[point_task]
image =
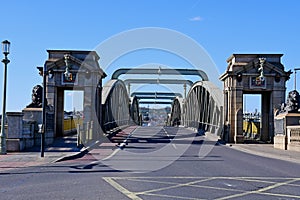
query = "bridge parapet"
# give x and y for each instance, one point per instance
(117, 108)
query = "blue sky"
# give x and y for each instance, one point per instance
(220, 27)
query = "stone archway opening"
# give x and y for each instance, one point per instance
(69, 110)
(73, 110)
(72, 70)
(73, 100)
(252, 113)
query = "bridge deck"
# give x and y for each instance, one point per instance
(151, 148)
(154, 135)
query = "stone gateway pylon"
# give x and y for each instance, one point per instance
(253, 74)
(72, 70)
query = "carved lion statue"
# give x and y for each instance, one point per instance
(293, 102)
(36, 97)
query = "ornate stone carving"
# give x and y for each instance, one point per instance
(261, 67)
(36, 97)
(293, 102)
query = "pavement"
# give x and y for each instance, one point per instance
(65, 148)
(61, 148)
(267, 150)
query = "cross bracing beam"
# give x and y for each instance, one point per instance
(158, 81)
(160, 71)
(155, 94)
(155, 102)
(155, 97)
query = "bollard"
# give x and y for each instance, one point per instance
(79, 143)
(91, 131)
(87, 130)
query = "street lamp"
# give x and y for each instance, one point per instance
(5, 49)
(295, 83)
(42, 127)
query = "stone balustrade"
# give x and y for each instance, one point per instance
(293, 138)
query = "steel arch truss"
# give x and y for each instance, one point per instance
(202, 109)
(115, 105)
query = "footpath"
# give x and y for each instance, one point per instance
(267, 150)
(62, 149)
(65, 148)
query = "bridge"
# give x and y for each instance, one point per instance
(178, 157)
(196, 104)
(199, 109)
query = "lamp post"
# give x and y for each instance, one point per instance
(42, 127)
(5, 49)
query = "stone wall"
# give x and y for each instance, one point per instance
(287, 131)
(21, 133)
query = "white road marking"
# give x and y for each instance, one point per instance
(169, 138)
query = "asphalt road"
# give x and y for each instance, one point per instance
(158, 163)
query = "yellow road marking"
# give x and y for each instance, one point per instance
(261, 191)
(172, 197)
(277, 185)
(197, 186)
(241, 193)
(203, 177)
(217, 188)
(120, 188)
(175, 186)
(252, 180)
(280, 195)
(150, 181)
